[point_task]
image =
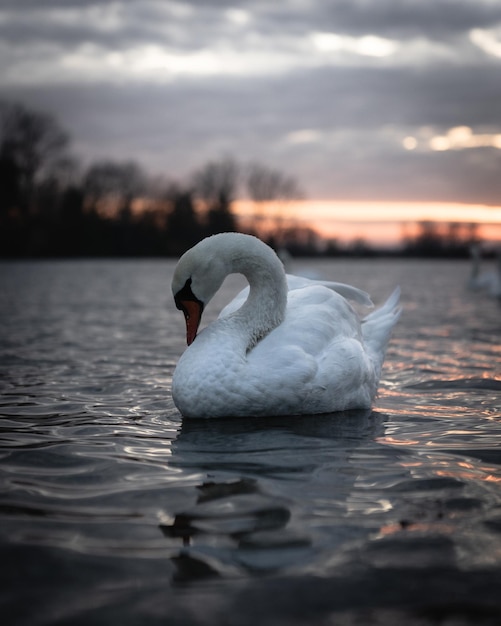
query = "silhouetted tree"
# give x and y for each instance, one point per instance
(441, 240)
(32, 147)
(111, 187)
(265, 184)
(183, 224)
(33, 155)
(72, 236)
(10, 183)
(270, 187)
(216, 186)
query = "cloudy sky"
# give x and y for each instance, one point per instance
(357, 99)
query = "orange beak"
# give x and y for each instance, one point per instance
(192, 308)
(192, 314)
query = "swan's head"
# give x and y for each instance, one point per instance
(198, 275)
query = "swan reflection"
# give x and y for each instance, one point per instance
(259, 482)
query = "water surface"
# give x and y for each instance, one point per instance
(115, 510)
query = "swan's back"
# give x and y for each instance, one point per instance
(300, 282)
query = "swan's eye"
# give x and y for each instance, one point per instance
(186, 295)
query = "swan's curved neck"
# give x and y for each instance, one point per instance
(265, 306)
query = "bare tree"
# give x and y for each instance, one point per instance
(32, 146)
(216, 185)
(270, 190)
(183, 224)
(111, 187)
(265, 185)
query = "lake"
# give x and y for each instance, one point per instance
(114, 510)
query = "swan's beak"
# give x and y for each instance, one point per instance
(192, 307)
(192, 314)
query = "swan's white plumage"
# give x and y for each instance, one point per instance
(299, 282)
(293, 346)
(488, 281)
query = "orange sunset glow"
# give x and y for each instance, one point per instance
(380, 223)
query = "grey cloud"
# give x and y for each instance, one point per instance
(176, 127)
(150, 22)
(451, 176)
(410, 17)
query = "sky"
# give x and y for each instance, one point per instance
(385, 102)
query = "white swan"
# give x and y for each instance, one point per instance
(285, 346)
(488, 281)
(495, 287)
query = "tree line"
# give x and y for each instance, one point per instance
(51, 206)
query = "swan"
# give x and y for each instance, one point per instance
(286, 345)
(488, 281)
(477, 280)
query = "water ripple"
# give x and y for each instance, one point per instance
(105, 487)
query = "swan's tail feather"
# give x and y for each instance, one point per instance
(350, 293)
(390, 307)
(378, 325)
(347, 291)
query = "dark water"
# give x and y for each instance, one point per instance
(115, 511)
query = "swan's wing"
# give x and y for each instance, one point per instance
(315, 317)
(347, 291)
(317, 351)
(299, 282)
